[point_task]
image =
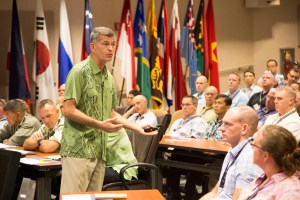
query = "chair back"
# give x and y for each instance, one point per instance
(176, 115)
(9, 162)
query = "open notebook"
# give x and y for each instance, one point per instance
(106, 196)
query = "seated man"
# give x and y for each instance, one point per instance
(119, 154)
(250, 85)
(2, 114)
(20, 125)
(263, 113)
(47, 138)
(238, 170)
(206, 111)
(140, 114)
(190, 126)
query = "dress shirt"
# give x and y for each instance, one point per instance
(239, 98)
(147, 118)
(239, 174)
(201, 99)
(2, 122)
(192, 126)
(279, 186)
(251, 90)
(263, 115)
(206, 112)
(290, 121)
(213, 131)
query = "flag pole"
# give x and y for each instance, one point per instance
(185, 73)
(121, 92)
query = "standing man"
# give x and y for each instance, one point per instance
(258, 100)
(238, 170)
(47, 138)
(201, 85)
(239, 98)
(88, 106)
(250, 85)
(206, 111)
(286, 115)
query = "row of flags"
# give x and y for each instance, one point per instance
(150, 52)
(160, 72)
(42, 76)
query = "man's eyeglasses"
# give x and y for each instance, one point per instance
(294, 77)
(251, 142)
(187, 104)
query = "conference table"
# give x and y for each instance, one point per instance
(40, 167)
(208, 151)
(120, 195)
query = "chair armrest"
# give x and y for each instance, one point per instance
(152, 167)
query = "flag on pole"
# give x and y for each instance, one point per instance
(164, 55)
(42, 68)
(65, 55)
(199, 37)
(141, 51)
(155, 70)
(16, 62)
(125, 50)
(180, 87)
(212, 47)
(87, 30)
(188, 45)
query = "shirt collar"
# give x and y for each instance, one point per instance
(95, 67)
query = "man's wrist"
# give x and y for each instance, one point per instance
(39, 141)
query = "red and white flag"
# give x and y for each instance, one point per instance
(42, 68)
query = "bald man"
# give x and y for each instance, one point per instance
(206, 112)
(201, 85)
(141, 115)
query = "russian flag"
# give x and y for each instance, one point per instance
(16, 62)
(65, 55)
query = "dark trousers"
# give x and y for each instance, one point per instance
(111, 176)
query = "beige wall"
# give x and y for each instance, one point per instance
(245, 36)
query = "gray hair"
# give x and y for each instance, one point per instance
(97, 31)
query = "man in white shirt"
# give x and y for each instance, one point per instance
(250, 86)
(201, 85)
(287, 115)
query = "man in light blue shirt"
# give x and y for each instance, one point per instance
(239, 98)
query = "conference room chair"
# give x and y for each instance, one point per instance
(9, 165)
(145, 149)
(176, 115)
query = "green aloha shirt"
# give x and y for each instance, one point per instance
(94, 93)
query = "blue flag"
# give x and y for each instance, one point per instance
(87, 30)
(188, 45)
(16, 63)
(141, 51)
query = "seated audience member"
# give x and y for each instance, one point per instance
(20, 125)
(201, 85)
(275, 151)
(2, 114)
(292, 76)
(238, 97)
(239, 124)
(190, 126)
(250, 85)
(295, 86)
(119, 154)
(60, 98)
(140, 114)
(286, 115)
(258, 100)
(206, 111)
(297, 102)
(130, 96)
(47, 138)
(221, 105)
(263, 113)
(272, 66)
(61, 90)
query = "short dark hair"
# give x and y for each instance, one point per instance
(194, 99)
(15, 105)
(227, 99)
(134, 92)
(44, 102)
(249, 71)
(272, 60)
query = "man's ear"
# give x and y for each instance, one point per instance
(245, 128)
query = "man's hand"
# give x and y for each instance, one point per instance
(6, 141)
(109, 127)
(37, 136)
(141, 130)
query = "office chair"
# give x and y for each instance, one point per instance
(145, 150)
(176, 115)
(9, 162)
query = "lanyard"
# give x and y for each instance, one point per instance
(276, 121)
